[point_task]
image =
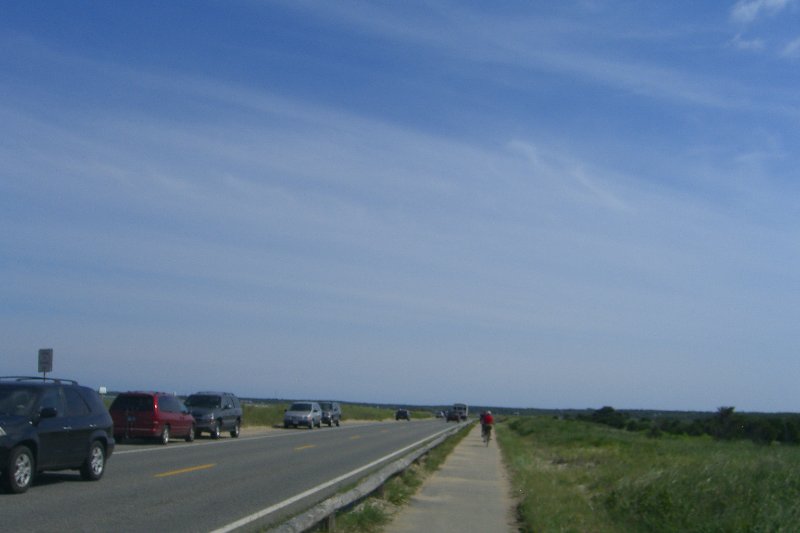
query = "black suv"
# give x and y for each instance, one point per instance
(331, 413)
(215, 412)
(51, 424)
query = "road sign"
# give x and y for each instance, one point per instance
(46, 360)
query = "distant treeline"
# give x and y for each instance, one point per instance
(725, 424)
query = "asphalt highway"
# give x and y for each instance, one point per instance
(208, 485)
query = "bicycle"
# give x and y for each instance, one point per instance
(486, 434)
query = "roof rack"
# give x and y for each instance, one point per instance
(38, 378)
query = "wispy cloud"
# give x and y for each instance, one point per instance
(532, 44)
(741, 43)
(746, 11)
(792, 49)
(566, 177)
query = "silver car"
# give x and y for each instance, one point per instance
(307, 414)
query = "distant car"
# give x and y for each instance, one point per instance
(439, 414)
(331, 413)
(453, 416)
(307, 414)
(51, 424)
(402, 414)
(215, 412)
(461, 409)
(151, 415)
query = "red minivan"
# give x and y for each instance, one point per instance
(151, 415)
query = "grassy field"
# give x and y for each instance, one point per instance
(272, 414)
(578, 476)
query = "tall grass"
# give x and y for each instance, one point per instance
(263, 414)
(576, 476)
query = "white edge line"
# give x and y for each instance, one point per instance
(280, 505)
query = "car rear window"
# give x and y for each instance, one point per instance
(203, 400)
(133, 403)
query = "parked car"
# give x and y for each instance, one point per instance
(151, 415)
(51, 424)
(331, 413)
(402, 414)
(215, 412)
(307, 414)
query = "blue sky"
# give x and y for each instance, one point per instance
(534, 204)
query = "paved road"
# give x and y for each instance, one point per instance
(207, 484)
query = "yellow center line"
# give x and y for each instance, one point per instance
(354, 437)
(307, 446)
(185, 470)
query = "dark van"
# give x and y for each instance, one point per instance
(215, 412)
(331, 413)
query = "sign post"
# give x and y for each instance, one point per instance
(45, 361)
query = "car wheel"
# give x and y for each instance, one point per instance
(215, 430)
(285, 425)
(235, 430)
(165, 435)
(337, 422)
(18, 474)
(95, 463)
(190, 435)
(311, 424)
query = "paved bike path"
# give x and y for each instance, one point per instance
(470, 492)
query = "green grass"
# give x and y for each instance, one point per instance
(263, 414)
(369, 518)
(364, 412)
(577, 476)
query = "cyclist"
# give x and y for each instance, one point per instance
(487, 421)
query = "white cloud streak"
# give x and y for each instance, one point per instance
(792, 49)
(748, 11)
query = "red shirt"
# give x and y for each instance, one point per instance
(488, 419)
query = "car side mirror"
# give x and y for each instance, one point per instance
(48, 412)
